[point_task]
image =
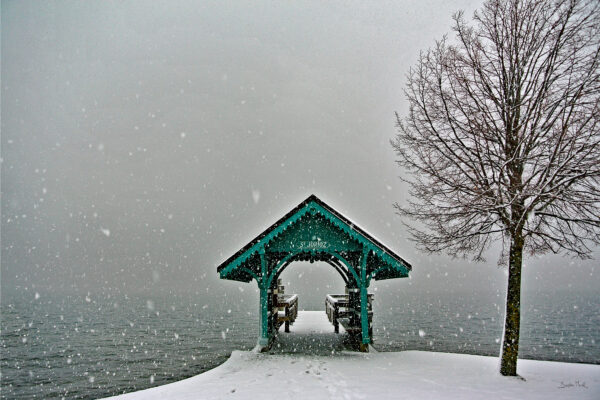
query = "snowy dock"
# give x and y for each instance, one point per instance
(312, 333)
(305, 364)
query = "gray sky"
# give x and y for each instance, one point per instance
(145, 142)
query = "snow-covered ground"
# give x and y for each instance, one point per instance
(307, 364)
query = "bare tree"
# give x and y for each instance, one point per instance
(501, 139)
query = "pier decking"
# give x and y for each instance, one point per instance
(312, 333)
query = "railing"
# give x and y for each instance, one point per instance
(338, 309)
(287, 305)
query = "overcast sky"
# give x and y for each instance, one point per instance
(145, 142)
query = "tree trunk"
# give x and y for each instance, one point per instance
(512, 322)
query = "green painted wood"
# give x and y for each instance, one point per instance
(264, 338)
(251, 273)
(275, 270)
(364, 301)
(314, 231)
(301, 238)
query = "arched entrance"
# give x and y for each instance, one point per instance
(313, 231)
(312, 282)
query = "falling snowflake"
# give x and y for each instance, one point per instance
(256, 196)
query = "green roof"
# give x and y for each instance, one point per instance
(314, 230)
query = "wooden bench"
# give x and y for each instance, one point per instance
(339, 312)
(287, 310)
(336, 307)
(285, 307)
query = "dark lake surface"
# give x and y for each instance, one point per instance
(85, 347)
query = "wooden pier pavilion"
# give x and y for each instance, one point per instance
(314, 231)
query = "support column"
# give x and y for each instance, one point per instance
(364, 302)
(272, 297)
(364, 315)
(354, 305)
(263, 331)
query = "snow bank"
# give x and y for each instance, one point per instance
(305, 371)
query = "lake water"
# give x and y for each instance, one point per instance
(82, 347)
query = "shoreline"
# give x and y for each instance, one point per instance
(394, 375)
(309, 363)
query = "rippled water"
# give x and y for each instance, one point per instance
(553, 327)
(78, 347)
(73, 348)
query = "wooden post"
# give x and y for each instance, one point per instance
(354, 306)
(364, 302)
(336, 315)
(263, 332)
(263, 335)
